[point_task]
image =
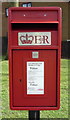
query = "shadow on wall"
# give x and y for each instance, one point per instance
(65, 49)
(5, 47)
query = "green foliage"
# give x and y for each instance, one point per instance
(61, 113)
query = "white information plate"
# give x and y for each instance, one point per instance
(34, 38)
(35, 77)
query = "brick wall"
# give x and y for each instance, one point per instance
(69, 20)
(4, 20)
(5, 27)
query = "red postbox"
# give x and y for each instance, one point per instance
(34, 57)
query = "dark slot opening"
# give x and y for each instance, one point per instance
(34, 26)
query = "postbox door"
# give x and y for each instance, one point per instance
(20, 95)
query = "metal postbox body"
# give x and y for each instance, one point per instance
(34, 57)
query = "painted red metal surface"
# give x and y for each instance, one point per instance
(34, 19)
